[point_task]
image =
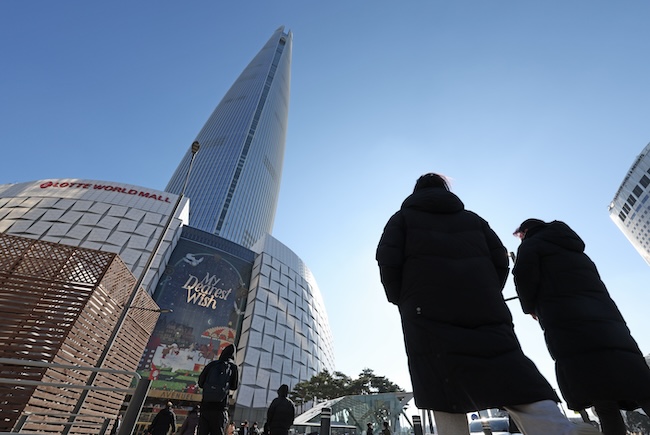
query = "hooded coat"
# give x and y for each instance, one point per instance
(281, 413)
(163, 422)
(444, 268)
(595, 356)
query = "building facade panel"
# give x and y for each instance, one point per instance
(278, 346)
(94, 214)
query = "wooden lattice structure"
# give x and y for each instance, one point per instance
(59, 304)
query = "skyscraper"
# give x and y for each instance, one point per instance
(235, 180)
(630, 209)
(269, 303)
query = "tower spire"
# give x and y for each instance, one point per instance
(235, 181)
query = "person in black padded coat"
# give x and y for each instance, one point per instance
(597, 361)
(281, 412)
(445, 268)
(164, 421)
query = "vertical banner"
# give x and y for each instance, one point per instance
(207, 289)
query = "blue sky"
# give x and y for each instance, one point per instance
(534, 109)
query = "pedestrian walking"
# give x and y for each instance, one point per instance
(191, 422)
(369, 430)
(281, 412)
(164, 421)
(244, 429)
(385, 430)
(445, 268)
(597, 361)
(216, 380)
(116, 425)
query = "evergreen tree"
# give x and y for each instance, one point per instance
(326, 385)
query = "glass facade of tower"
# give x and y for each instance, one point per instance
(235, 179)
(277, 317)
(630, 209)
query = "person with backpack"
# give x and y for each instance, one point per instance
(216, 380)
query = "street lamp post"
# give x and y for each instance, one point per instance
(195, 149)
(124, 427)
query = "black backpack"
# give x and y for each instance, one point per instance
(217, 381)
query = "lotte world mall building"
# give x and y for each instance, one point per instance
(72, 249)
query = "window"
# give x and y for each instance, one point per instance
(645, 181)
(637, 190)
(631, 200)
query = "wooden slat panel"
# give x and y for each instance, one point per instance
(59, 304)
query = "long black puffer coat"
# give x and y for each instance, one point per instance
(595, 356)
(445, 268)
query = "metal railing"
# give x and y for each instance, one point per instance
(128, 422)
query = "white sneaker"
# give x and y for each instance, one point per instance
(586, 429)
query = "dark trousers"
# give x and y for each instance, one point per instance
(611, 420)
(275, 430)
(212, 418)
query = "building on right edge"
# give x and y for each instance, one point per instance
(630, 209)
